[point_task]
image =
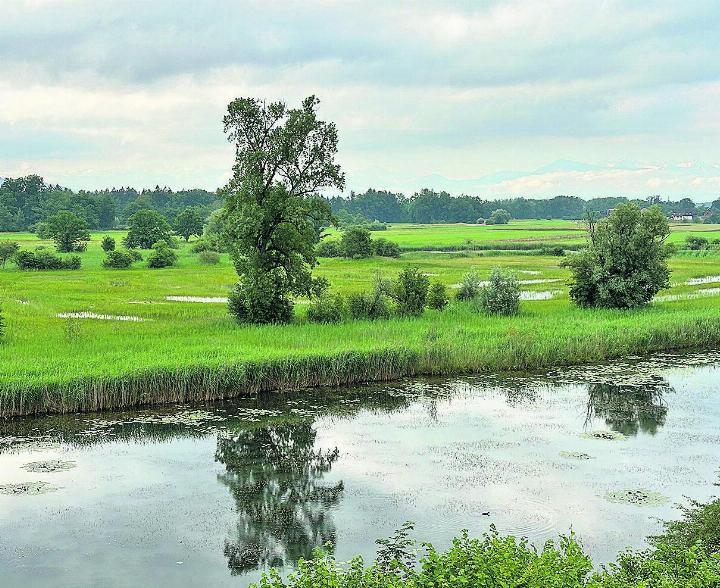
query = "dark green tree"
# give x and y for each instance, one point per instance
(189, 222)
(499, 217)
(108, 244)
(272, 217)
(625, 263)
(69, 232)
(355, 243)
(147, 227)
(410, 291)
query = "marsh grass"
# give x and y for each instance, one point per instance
(185, 352)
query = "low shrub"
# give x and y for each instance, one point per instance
(373, 305)
(410, 291)
(135, 254)
(328, 308)
(108, 244)
(437, 297)
(695, 243)
(469, 287)
(355, 243)
(201, 245)
(480, 221)
(45, 260)
(376, 225)
(209, 257)
(502, 295)
(384, 248)
(118, 260)
(161, 256)
(554, 250)
(328, 249)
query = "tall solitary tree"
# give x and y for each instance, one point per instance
(273, 216)
(625, 263)
(188, 223)
(69, 231)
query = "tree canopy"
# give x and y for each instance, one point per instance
(68, 231)
(147, 227)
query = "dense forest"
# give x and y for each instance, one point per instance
(26, 201)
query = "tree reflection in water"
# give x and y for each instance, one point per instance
(629, 409)
(275, 475)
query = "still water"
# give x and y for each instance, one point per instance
(211, 494)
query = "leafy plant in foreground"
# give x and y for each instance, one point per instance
(437, 297)
(410, 291)
(501, 295)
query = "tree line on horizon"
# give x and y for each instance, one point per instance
(28, 200)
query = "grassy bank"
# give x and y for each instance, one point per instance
(180, 351)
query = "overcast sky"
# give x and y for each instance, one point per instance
(533, 97)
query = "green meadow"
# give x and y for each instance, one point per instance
(178, 351)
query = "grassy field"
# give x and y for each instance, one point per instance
(180, 351)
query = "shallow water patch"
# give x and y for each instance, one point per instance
(540, 295)
(688, 295)
(100, 317)
(703, 280)
(198, 299)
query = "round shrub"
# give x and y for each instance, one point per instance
(469, 287)
(201, 245)
(209, 257)
(384, 248)
(328, 249)
(410, 291)
(480, 221)
(161, 256)
(502, 295)
(437, 297)
(135, 254)
(355, 243)
(373, 305)
(108, 244)
(118, 260)
(327, 309)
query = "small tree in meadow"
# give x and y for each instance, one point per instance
(69, 232)
(384, 248)
(108, 244)
(469, 287)
(162, 256)
(499, 217)
(147, 227)
(7, 250)
(355, 243)
(501, 295)
(118, 260)
(437, 297)
(189, 222)
(410, 291)
(625, 263)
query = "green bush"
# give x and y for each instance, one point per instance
(147, 227)
(700, 523)
(437, 297)
(376, 225)
(209, 257)
(118, 260)
(373, 305)
(8, 249)
(69, 232)
(201, 245)
(258, 301)
(410, 291)
(355, 243)
(469, 287)
(625, 264)
(384, 248)
(161, 256)
(695, 243)
(135, 254)
(501, 295)
(480, 221)
(45, 260)
(327, 309)
(499, 217)
(328, 249)
(2, 326)
(108, 244)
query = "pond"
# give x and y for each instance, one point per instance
(210, 494)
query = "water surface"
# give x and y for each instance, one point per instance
(210, 494)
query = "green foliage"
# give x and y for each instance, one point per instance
(147, 227)
(355, 243)
(213, 231)
(469, 288)
(45, 260)
(376, 226)
(328, 308)
(209, 257)
(135, 254)
(118, 260)
(68, 231)
(499, 217)
(501, 296)
(700, 523)
(384, 248)
(625, 264)
(7, 250)
(373, 305)
(108, 244)
(2, 326)
(410, 291)
(272, 218)
(437, 297)
(162, 256)
(695, 243)
(480, 221)
(189, 222)
(201, 245)
(328, 249)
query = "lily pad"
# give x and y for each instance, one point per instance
(27, 488)
(53, 465)
(604, 435)
(575, 455)
(638, 497)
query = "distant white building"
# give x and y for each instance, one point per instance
(682, 216)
